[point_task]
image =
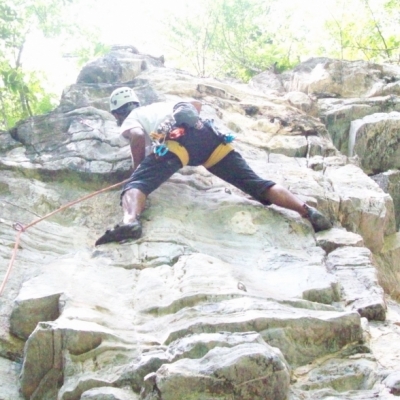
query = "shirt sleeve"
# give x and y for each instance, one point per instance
(130, 122)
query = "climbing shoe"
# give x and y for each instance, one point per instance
(121, 233)
(318, 221)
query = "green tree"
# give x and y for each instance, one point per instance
(238, 38)
(190, 37)
(363, 29)
(249, 37)
(22, 92)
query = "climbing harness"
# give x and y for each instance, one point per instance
(223, 149)
(165, 139)
(218, 154)
(20, 228)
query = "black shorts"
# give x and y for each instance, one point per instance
(152, 172)
(234, 169)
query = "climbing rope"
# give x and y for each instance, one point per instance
(21, 228)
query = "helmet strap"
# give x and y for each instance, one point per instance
(124, 111)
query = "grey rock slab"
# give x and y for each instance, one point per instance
(280, 325)
(330, 394)
(360, 289)
(364, 208)
(83, 140)
(198, 345)
(389, 182)
(393, 383)
(120, 65)
(303, 102)
(387, 263)
(374, 139)
(29, 310)
(9, 372)
(267, 82)
(384, 339)
(43, 354)
(341, 375)
(109, 393)
(198, 278)
(338, 113)
(291, 146)
(334, 238)
(247, 371)
(325, 77)
(193, 346)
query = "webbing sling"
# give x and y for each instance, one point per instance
(178, 150)
(217, 155)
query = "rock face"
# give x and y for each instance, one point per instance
(222, 298)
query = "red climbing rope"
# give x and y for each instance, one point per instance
(21, 228)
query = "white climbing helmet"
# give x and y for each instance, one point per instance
(122, 96)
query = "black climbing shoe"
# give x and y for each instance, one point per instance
(318, 221)
(120, 233)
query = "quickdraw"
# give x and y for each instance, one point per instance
(165, 132)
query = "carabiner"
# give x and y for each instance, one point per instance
(229, 138)
(161, 150)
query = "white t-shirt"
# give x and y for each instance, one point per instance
(148, 118)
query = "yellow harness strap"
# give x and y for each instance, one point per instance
(178, 150)
(218, 154)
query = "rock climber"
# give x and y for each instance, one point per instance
(164, 138)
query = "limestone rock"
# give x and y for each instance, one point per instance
(369, 216)
(250, 371)
(360, 288)
(337, 114)
(325, 77)
(393, 383)
(267, 82)
(9, 376)
(109, 393)
(387, 261)
(42, 370)
(29, 311)
(303, 102)
(389, 182)
(120, 65)
(374, 139)
(168, 310)
(341, 375)
(334, 238)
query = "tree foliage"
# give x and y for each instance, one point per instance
(364, 29)
(238, 38)
(22, 92)
(241, 38)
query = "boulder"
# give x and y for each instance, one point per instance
(374, 139)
